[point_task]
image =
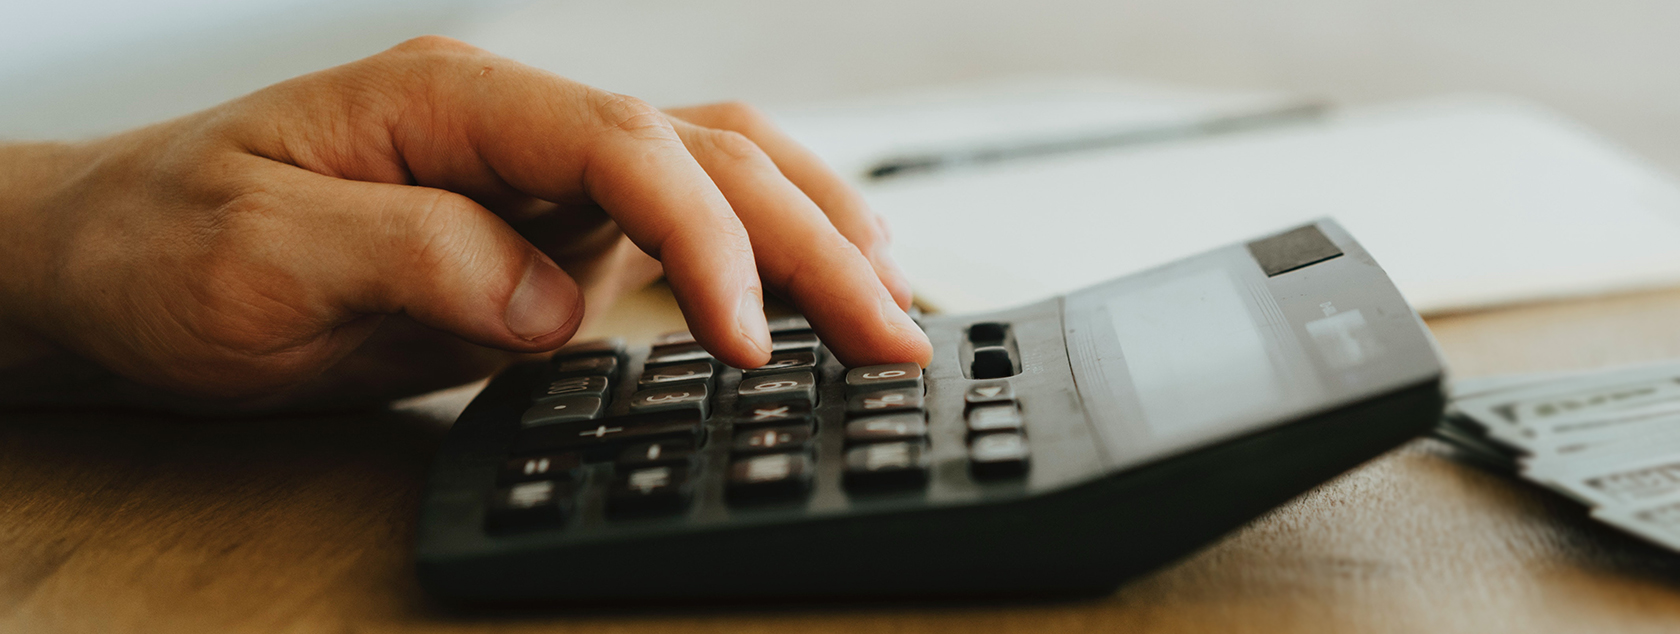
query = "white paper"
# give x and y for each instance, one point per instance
(1467, 201)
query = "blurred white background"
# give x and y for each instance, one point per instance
(74, 68)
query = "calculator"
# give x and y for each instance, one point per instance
(1058, 447)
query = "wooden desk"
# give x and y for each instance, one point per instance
(137, 523)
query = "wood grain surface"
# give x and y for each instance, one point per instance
(132, 523)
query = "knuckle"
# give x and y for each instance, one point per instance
(733, 145)
(632, 116)
(740, 115)
(434, 44)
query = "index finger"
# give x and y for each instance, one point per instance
(559, 140)
(842, 203)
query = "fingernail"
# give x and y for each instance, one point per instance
(750, 317)
(541, 304)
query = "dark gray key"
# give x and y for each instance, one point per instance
(649, 490)
(769, 477)
(562, 409)
(793, 341)
(989, 392)
(530, 505)
(779, 387)
(593, 347)
(554, 466)
(774, 413)
(789, 324)
(572, 386)
(891, 427)
(677, 353)
(885, 401)
(606, 432)
(584, 366)
(677, 451)
(698, 371)
(994, 418)
(871, 377)
(772, 439)
(695, 396)
(998, 456)
(669, 338)
(787, 361)
(887, 465)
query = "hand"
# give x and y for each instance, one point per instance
(312, 240)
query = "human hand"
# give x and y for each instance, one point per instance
(311, 241)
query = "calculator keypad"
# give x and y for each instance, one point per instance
(647, 454)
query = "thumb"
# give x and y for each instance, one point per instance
(443, 260)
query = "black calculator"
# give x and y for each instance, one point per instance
(1058, 447)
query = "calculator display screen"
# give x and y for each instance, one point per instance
(1194, 354)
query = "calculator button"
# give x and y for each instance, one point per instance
(883, 376)
(774, 413)
(595, 347)
(770, 476)
(607, 431)
(651, 490)
(584, 366)
(793, 341)
(885, 401)
(994, 418)
(677, 353)
(554, 466)
(700, 371)
(992, 362)
(776, 387)
(998, 456)
(901, 426)
(562, 409)
(786, 361)
(529, 505)
(768, 439)
(886, 466)
(789, 324)
(674, 451)
(695, 396)
(989, 392)
(573, 386)
(670, 338)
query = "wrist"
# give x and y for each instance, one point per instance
(31, 175)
